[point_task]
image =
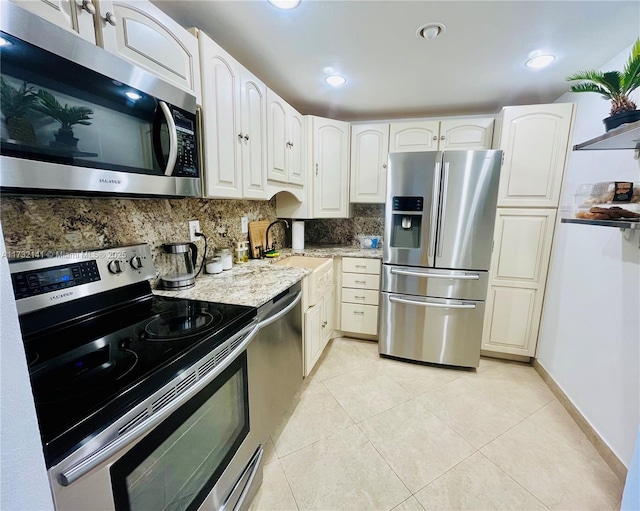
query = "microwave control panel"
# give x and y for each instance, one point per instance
(187, 160)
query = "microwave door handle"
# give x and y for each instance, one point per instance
(443, 209)
(433, 225)
(173, 139)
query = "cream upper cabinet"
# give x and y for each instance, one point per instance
(434, 135)
(285, 142)
(141, 33)
(253, 135)
(369, 153)
(535, 140)
(77, 16)
(465, 134)
(517, 278)
(413, 136)
(330, 167)
(222, 133)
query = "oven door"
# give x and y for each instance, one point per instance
(203, 456)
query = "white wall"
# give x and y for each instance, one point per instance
(590, 334)
(23, 477)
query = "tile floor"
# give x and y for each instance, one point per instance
(376, 434)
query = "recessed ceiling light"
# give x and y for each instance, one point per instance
(133, 95)
(4, 42)
(285, 4)
(431, 30)
(335, 80)
(540, 61)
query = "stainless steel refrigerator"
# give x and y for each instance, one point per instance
(439, 218)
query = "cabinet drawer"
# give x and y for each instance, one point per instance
(361, 296)
(361, 265)
(360, 318)
(361, 281)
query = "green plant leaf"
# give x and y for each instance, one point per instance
(591, 87)
(631, 74)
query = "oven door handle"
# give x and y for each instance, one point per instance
(71, 475)
(244, 484)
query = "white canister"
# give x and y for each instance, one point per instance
(214, 265)
(227, 259)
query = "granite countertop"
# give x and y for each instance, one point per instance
(258, 281)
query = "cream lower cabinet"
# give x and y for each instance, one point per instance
(318, 325)
(360, 296)
(517, 279)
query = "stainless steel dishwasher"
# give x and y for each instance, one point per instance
(275, 361)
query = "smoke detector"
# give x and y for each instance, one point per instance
(431, 30)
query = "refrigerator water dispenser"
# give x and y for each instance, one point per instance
(407, 222)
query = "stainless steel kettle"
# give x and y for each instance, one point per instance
(180, 259)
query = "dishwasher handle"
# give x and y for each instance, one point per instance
(272, 319)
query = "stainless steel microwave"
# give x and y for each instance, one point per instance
(77, 119)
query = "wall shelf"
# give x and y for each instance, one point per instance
(621, 224)
(624, 137)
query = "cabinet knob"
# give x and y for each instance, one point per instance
(240, 136)
(384, 165)
(435, 137)
(246, 137)
(111, 19)
(442, 137)
(88, 6)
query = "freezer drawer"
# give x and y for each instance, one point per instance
(461, 284)
(436, 330)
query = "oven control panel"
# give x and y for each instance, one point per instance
(45, 282)
(32, 283)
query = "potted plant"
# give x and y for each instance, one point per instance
(66, 115)
(15, 105)
(616, 87)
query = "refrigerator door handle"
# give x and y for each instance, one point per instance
(434, 211)
(434, 305)
(443, 208)
(398, 271)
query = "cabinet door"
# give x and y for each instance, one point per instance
(295, 152)
(312, 337)
(535, 141)
(220, 104)
(518, 274)
(253, 105)
(465, 134)
(327, 325)
(413, 136)
(277, 138)
(369, 153)
(64, 13)
(331, 167)
(146, 36)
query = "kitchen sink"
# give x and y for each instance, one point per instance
(318, 282)
(313, 263)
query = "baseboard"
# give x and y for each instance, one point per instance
(505, 356)
(601, 447)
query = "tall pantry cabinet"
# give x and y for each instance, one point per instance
(535, 140)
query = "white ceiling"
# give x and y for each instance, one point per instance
(476, 66)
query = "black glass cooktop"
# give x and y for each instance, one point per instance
(88, 372)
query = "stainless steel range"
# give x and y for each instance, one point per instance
(143, 401)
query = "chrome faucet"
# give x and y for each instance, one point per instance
(266, 236)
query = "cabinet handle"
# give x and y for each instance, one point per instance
(111, 19)
(289, 145)
(360, 281)
(359, 297)
(435, 137)
(324, 324)
(442, 137)
(246, 137)
(359, 313)
(88, 6)
(240, 136)
(316, 169)
(361, 266)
